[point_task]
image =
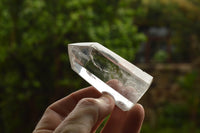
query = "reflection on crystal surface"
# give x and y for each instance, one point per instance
(98, 65)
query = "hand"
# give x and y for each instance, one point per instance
(84, 110)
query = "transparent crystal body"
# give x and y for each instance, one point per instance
(98, 65)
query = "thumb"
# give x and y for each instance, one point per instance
(87, 113)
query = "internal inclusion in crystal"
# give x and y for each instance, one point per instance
(106, 68)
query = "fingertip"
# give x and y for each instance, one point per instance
(139, 109)
(137, 112)
(108, 98)
(114, 83)
(134, 119)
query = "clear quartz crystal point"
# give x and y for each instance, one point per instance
(98, 65)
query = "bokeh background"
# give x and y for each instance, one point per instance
(160, 36)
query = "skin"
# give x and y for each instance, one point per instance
(84, 110)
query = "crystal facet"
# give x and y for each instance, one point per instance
(98, 65)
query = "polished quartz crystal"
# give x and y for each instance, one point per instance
(98, 66)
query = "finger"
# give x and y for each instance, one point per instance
(86, 114)
(125, 121)
(56, 112)
(134, 120)
(115, 122)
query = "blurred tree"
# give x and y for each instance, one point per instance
(34, 67)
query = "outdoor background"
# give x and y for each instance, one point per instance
(160, 36)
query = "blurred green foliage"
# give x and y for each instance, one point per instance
(34, 66)
(160, 56)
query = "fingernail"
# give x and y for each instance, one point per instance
(107, 98)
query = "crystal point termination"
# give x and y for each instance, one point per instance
(98, 65)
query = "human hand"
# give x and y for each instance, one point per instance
(84, 110)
